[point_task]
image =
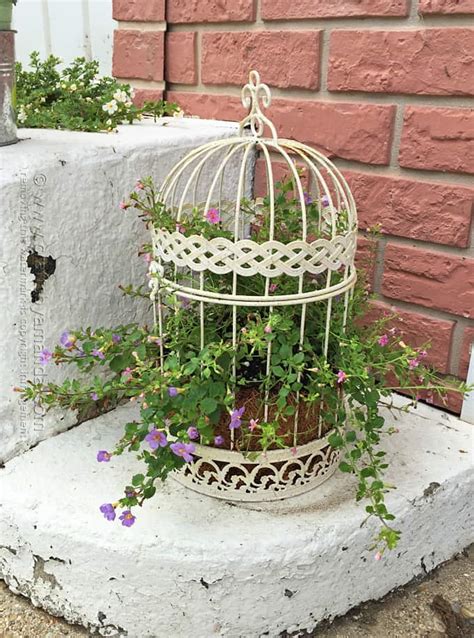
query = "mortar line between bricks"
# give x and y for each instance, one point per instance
(353, 23)
(433, 313)
(457, 337)
(143, 84)
(311, 95)
(441, 249)
(141, 26)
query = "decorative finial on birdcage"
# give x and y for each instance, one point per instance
(254, 94)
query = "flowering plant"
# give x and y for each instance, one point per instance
(217, 393)
(76, 97)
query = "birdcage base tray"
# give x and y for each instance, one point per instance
(272, 476)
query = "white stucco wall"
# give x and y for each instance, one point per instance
(59, 195)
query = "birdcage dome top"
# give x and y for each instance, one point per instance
(216, 182)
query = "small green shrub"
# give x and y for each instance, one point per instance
(77, 98)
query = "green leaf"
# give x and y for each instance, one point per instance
(345, 467)
(208, 405)
(335, 440)
(137, 479)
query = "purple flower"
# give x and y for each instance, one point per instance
(193, 433)
(213, 216)
(116, 338)
(235, 418)
(45, 356)
(185, 303)
(341, 376)
(127, 518)
(185, 450)
(308, 199)
(413, 363)
(103, 456)
(98, 353)
(108, 510)
(383, 340)
(94, 396)
(219, 440)
(325, 200)
(67, 340)
(173, 392)
(156, 439)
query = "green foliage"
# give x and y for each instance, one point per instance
(76, 98)
(180, 384)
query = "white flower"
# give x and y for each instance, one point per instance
(110, 107)
(120, 96)
(109, 122)
(43, 100)
(88, 99)
(73, 87)
(21, 117)
(178, 113)
(128, 103)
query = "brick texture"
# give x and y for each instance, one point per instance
(301, 9)
(365, 260)
(446, 6)
(417, 330)
(138, 10)
(146, 95)
(285, 59)
(423, 62)
(362, 52)
(468, 339)
(281, 171)
(187, 11)
(138, 54)
(410, 208)
(180, 55)
(356, 131)
(431, 279)
(438, 139)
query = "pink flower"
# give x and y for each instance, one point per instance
(139, 185)
(180, 228)
(127, 374)
(272, 287)
(341, 376)
(123, 205)
(293, 451)
(378, 556)
(213, 216)
(383, 340)
(267, 329)
(253, 424)
(148, 257)
(413, 363)
(422, 354)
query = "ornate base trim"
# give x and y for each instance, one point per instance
(273, 476)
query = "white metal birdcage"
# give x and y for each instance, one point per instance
(276, 474)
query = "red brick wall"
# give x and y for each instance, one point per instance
(385, 87)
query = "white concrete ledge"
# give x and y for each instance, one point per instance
(59, 196)
(194, 566)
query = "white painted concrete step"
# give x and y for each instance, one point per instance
(197, 567)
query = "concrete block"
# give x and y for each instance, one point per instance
(195, 566)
